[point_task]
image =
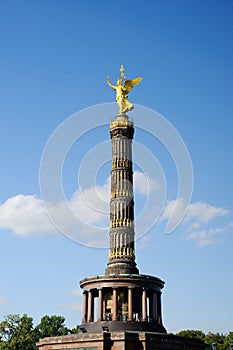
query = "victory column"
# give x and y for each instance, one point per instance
(129, 311)
(127, 300)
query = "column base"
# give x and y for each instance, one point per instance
(121, 266)
(123, 326)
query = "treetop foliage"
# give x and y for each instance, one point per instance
(17, 332)
(222, 341)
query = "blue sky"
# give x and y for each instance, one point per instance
(54, 59)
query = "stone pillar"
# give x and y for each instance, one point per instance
(114, 304)
(100, 305)
(154, 306)
(90, 307)
(122, 199)
(144, 306)
(84, 318)
(130, 304)
(159, 307)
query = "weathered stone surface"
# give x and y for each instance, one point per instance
(120, 340)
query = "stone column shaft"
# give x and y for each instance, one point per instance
(154, 306)
(159, 307)
(122, 199)
(90, 307)
(114, 304)
(130, 304)
(100, 305)
(84, 318)
(144, 306)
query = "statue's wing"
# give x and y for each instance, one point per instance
(129, 84)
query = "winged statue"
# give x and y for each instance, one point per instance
(122, 89)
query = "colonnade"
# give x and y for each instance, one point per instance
(122, 303)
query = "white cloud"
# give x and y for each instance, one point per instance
(72, 306)
(193, 226)
(89, 205)
(209, 236)
(87, 211)
(3, 301)
(170, 206)
(199, 211)
(198, 215)
(83, 213)
(202, 238)
(204, 212)
(25, 215)
(144, 241)
(143, 183)
(76, 292)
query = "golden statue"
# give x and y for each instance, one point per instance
(122, 89)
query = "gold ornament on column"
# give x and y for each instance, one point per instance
(122, 89)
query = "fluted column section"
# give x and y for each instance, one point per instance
(122, 254)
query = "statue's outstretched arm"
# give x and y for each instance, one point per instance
(108, 81)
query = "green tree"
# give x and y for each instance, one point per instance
(217, 338)
(228, 340)
(222, 341)
(51, 326)
(192, 334)
(17, 333)
(74, 330)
